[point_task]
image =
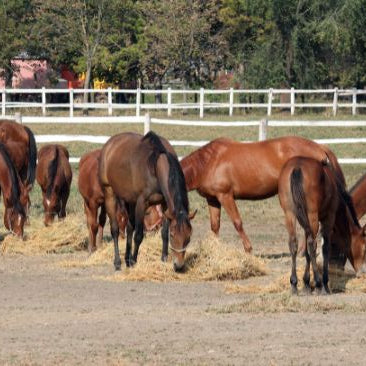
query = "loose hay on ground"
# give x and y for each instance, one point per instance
(63, 236)
(206, 260)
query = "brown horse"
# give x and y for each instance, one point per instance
(143, 171)
(225, 170)
(358, 194)
(310, 192)
(93, 195)
(54, 175)
(10, 184)
(21, 145)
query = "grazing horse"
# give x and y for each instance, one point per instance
(144, 171)
(21, 145)
(225, 170)
(310, 192)
(93, 195)
(10, 184)
(358, 194)
(54, 175)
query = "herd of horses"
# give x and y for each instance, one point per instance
(139, 183)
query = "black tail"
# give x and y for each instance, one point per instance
(299, 199)
(32, 163)
(52, 171)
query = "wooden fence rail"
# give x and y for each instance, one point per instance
(204, 99)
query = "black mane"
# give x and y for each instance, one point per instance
(32, 162)
(176, 181)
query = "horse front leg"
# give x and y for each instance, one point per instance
(91, 220)
(101, 223)
(214, 208)
(139, 225)
(165, 239)
(228, 202)
(111, 207)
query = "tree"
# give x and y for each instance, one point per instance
(15, 22)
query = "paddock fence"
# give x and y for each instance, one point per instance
(148, 122)
(139, 100)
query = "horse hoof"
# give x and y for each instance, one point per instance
(306, 290)
(325, 291)
(117, 266)
(164, 258)
(294, 291)
(130, 263)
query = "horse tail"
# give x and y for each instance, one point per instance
(32, 163)
(52, 171)
(14, 179)
(341, 186)
(299, 199)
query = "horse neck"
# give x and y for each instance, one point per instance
(8, 183)
(190, 171)
(358, 194)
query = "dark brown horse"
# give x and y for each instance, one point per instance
(21, 145)
(54, 175)
(310, 192)
(93, 195)
(143, 171)
(10, 184)
(224, 170)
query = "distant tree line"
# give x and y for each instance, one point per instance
(261, 43)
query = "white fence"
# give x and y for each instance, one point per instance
(290, 99)
(147, 121)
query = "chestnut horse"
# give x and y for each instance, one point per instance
(310, 192)
(21, 145)
(225, 170)
(10, 184)
(144, 171)
(54, 175)
(358, 194)
(93, 195)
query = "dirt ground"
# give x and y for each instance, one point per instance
(51, 315)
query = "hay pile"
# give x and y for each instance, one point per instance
(63, 236)
(207, 260)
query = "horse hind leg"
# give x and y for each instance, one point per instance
(227, 201)
(293, 246)
(101, 223)
(165, 239)
(139, 226)
(91, 219)
(214, 208)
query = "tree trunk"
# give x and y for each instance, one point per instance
(86, 85)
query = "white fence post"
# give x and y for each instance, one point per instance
(335, 101)
(231, 102)
(292, 101)
(147, 123)
(169, 102)
(263, 129)
(110, 107)
(71, 101)
(138, 102)
(354, 101)
(202, 101)
(269, 108)
(43, 101)
(3, 102)
(18, 117)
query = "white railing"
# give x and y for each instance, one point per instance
(147, 121)
(269, 99)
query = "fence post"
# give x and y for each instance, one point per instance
(231, 102)
(335, 101)
(110, 107)
(147, 123)
(43, 101)
(292, 101)
(263, 129)
(269, 108)
(138, 102)
(18, 118)
(354, 101)
(202, 100)
(3, 102)
(169, 102)
(71, 101)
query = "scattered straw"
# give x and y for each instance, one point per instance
(63, 236)
(206, 260)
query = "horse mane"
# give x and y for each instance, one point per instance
(14, 178)
(195, 163)
(32, 163)
(176, 181)
(52, 170)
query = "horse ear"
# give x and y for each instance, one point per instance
(192, 215)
